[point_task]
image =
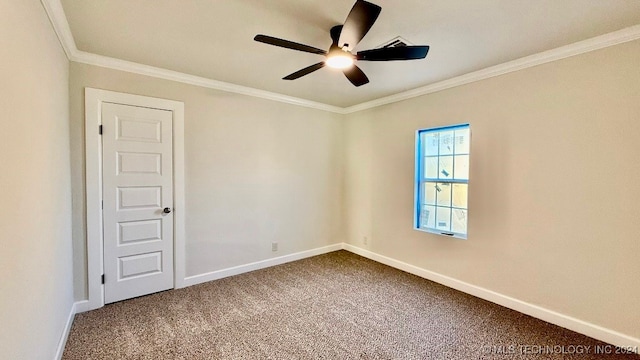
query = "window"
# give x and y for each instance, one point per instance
(442, 180)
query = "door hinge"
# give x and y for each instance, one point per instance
(102, 204)
(100, 129)
(103, 279)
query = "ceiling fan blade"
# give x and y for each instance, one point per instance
(288, 44)
(356, 76)
(305, 71)
(361, 18)
(394, 53)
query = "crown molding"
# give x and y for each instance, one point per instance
(61, 27)
(599, 42)
(58, 19)
(136, 68)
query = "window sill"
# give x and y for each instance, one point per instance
(443, 233)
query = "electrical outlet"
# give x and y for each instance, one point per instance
(365, 240)
(274, 246)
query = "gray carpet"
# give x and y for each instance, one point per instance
(333, 306)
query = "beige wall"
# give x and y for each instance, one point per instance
(554, 188)
(36, 294)
(257, 171)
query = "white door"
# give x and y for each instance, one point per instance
(138, 199)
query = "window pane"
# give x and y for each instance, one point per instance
(446, 142)
(462, 141)
(459, 221)
(431, 167)
(430, 143)
(459, 195)
(428, 217)
(446, 167)
(461, 167)
(443, 192)
(443, 216)
(430, 193)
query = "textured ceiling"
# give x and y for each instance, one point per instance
(214, 38)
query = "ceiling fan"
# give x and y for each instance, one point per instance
(345, 38)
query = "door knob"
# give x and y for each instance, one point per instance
(166, 210)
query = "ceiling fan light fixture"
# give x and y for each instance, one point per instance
(340, 62)
(339, 59)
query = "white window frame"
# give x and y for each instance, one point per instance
(420, 179)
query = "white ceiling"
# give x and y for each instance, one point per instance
(214, 38)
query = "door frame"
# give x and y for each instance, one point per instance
(94, 98)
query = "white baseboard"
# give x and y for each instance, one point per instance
(65, 332)
(565, 321)
(82, 306)
(236, 270)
